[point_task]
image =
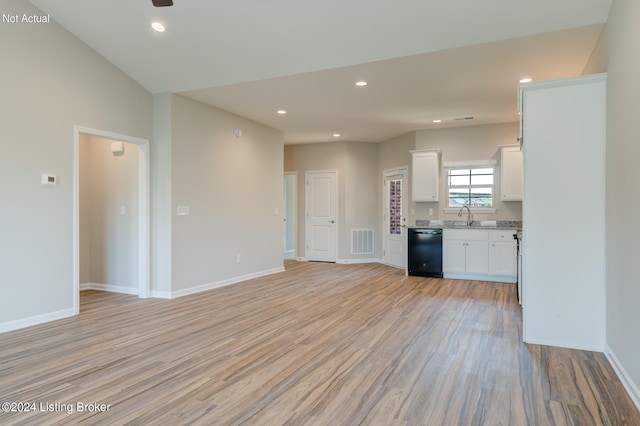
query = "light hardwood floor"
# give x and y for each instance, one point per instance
(320, 344)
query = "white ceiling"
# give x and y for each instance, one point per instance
(422, 59)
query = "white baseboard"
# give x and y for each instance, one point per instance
(481, 277)
(564, 344)
(218, 284)
(36, 320)
(110, 288)
(357, 261)
(632, 389)
(160, 294)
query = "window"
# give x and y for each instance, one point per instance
(471, 186)
(395, 207)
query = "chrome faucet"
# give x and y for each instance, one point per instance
(469, 215)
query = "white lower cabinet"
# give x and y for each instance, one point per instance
(488, 255)
(465, 251)
(502, 254)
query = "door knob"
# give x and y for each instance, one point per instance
(332, 221)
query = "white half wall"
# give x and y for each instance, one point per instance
(564, 213)
(623, 192)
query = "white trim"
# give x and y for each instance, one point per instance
(468, 164)
(436, 150)
(160, 294)
(223, 283)
(143, 209)
(36, 320)
(110, 288)
(480, 277)
(564, 344)
(401, 171)
(563, 82)
(301, 259)
(482, 210)
(357, 261)
(630, 387)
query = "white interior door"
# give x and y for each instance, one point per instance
(321, 215)
(394, 244)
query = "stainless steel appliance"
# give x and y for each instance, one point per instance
(425, 252)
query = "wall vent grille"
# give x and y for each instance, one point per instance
(362, 241)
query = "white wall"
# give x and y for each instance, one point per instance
(108, 236)
(161, 210)
(623, 192)
(233, 188)
(50, 82)
(470, 143)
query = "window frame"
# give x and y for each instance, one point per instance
(471, 166)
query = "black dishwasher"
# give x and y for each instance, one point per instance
(425, 252)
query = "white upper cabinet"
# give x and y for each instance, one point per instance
(425, 175)
(511, 173)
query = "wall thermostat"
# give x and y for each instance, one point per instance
(49, 180)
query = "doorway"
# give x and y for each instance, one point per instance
(290, 214)
(321, 200)
(394, 235)
(116, 210)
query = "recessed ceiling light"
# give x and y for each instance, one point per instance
(336, 135)
(526, 80)
(437, 121)
(281, 112)
(361, 83)
(158, 27)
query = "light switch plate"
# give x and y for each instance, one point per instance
(183, 211)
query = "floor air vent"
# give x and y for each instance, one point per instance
(362, 241)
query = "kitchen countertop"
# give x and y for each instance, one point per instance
(462, 224)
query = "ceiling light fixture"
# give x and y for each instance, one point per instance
(526, 80)
(437, 121)
(361, 83)
(281, 112)
(336, 135)
(158, 27)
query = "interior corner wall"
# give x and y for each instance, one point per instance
(356, 163)
(394, 153)
(50, 83)
(470, 143)
(360, 198)
(622, 190)
(599, 59)
(161, 210)
(233, 188)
